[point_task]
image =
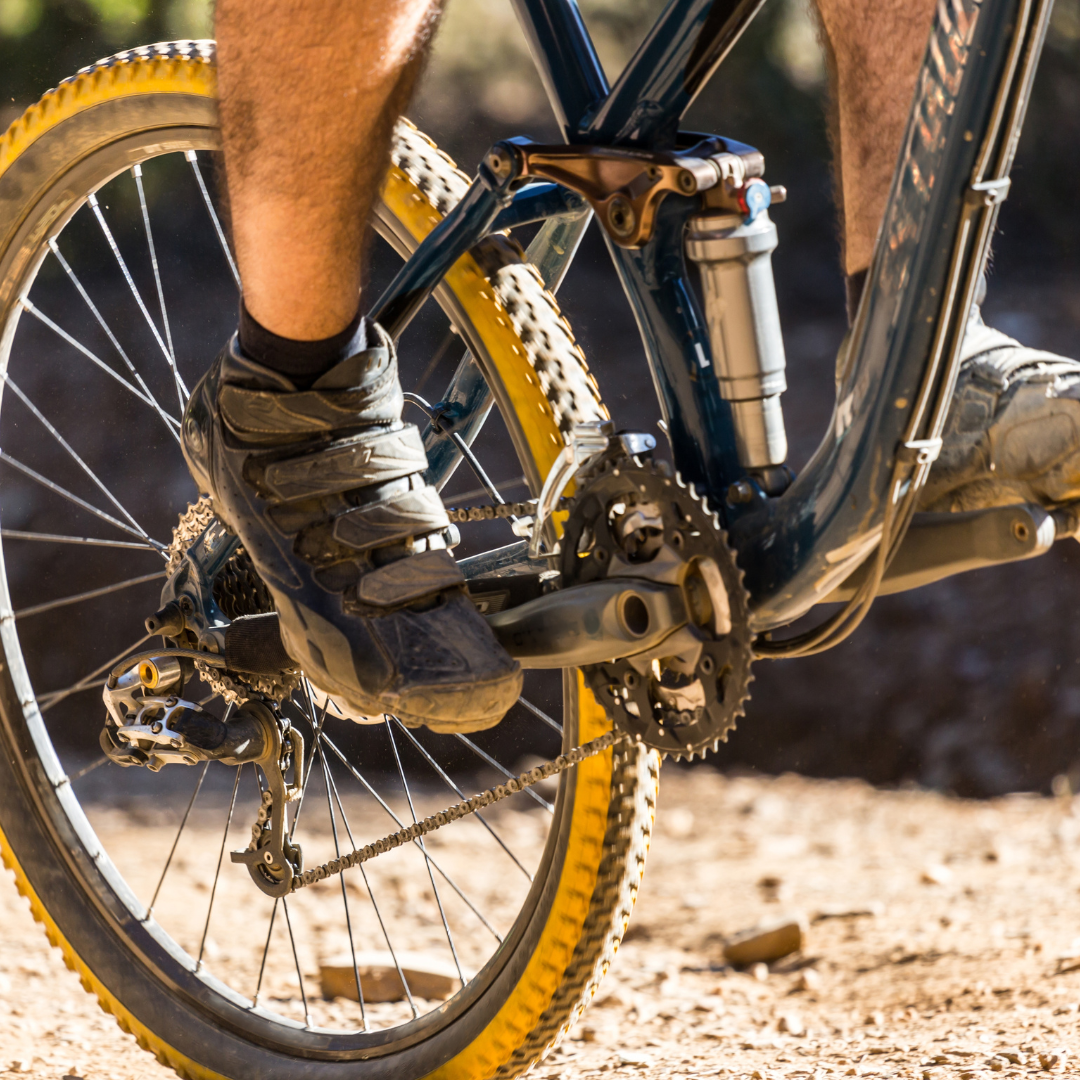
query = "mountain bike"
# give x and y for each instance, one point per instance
(635, 592)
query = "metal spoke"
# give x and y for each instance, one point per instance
(344, 891)
(193, 161)
(96, 208)
(182, 391)
(367, 885)
(70, 451)
(460, 794)
(502, 769)
(423, 848)
(56, 538)
(87, 769)
(266, 949)
(401, 824)
(65, 494)
(179, 833)
(541, 715)
(463, 446)
(44, 319)
(56, 696)
(170, 421)
(78, 598)
(296, 960)
(217, 874)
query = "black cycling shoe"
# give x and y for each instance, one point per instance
(324, 488)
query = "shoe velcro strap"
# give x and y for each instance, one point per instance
(371, 458)
(409, 579)
(414, 513)
(249, 412)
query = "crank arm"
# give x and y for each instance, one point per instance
(590, 624)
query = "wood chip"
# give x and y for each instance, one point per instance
(428, 977)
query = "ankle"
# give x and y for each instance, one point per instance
(300, 361)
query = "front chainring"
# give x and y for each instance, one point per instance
(631, 519)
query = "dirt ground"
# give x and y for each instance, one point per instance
(939, 941)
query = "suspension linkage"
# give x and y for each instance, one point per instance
(458, 810)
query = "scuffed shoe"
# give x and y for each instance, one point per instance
(324, 488)
(1013, 430)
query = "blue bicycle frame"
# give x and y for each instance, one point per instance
(900, 358)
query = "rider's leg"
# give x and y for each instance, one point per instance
(874, 51)
(1013, 432)
(310, 90)
(296, 429)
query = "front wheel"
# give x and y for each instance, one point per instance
(467, 955)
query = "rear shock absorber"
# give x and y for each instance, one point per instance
(734, 252)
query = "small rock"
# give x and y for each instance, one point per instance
(771, 888)
(936, 874)
(847, 911)
(20, 1065)
(791, 1023)
(765, 943)
(631, 1057)
(427, 976)
(678, 822)
(996, 1065)
(759, 971)
(809, 979)
(876, 1019)
(1052, 1060)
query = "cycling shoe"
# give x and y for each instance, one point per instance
(1013, 430)
(324, 488)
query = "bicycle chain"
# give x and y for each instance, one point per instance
(457, 811)
(460, 514)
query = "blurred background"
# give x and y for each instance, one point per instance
(971, 685)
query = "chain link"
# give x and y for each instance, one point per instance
(457, 811)
(459, 515)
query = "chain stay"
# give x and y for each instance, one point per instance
(458, 811)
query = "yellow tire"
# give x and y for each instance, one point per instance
(122, 112)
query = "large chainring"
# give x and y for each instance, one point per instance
(631, 518)
(238, 590)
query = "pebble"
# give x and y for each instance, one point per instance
(791, 1023)
(766, 942)
(809, 979)
(936, 874)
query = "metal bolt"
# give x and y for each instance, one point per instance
(742, 491)
(156, 727)
(707, 665)
(687, 182)
(1020, 531)
(621, 216)
(500, 162)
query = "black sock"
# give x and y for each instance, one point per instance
(854, 285)
(301, 361)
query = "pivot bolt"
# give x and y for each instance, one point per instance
(621, 216)
(500, 162)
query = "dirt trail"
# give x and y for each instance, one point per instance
(950, 972)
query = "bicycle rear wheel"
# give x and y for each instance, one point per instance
(92, 482)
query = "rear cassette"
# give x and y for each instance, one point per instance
(631, 519)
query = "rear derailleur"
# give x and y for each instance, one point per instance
(151, 725)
